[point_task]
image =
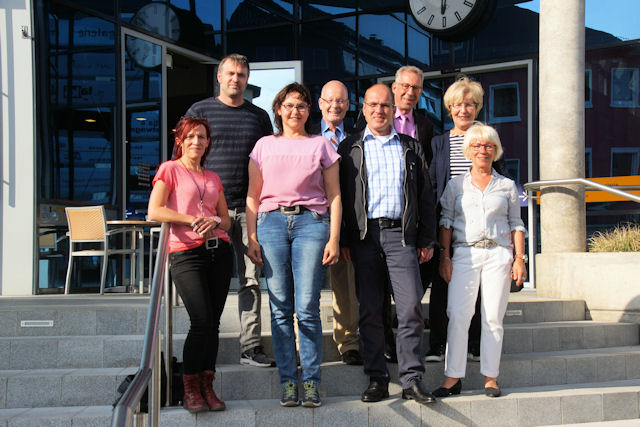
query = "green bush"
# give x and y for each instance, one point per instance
(622, 238)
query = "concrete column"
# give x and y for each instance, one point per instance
(562, 209)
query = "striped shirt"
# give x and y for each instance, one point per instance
(385, 172)
(458, 163)
(234, 133)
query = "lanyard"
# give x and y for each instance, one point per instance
(204, 186)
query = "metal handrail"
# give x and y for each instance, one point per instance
(149, 371)
(530, 186)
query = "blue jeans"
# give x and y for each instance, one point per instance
(292, 249)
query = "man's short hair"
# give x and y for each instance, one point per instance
(237, 58)
(408, 69)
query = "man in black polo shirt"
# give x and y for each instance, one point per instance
(236, 124)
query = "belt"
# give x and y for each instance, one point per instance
(383, 223)
(211, 243)
(291, 210)
(485, 244)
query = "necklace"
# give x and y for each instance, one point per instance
(204, 186)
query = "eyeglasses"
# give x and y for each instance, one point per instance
(301, 108)
(461, 105)
(375, 105)
(339, 102)
(407, 86)
(488, 147)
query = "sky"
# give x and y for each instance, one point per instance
(616, 17)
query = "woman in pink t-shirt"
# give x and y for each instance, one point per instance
(190, 197)
(293, 221)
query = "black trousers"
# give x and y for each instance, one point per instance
(380, 259)
(202, 279)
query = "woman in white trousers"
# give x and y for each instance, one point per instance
(481, 221)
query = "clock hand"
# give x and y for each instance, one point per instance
(443, 6)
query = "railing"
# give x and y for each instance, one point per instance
(536, 185)
(125, 412)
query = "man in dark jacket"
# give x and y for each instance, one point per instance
(388, 229)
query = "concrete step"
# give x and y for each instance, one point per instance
(110, 351)
(530, 406)
(75, 315)
(97, 386)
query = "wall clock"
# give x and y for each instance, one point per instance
(452, 20)
(158, 18)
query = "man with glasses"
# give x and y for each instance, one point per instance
(334, 104)
(388, 229)
(236, 124)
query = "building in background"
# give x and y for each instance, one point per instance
(92, 88)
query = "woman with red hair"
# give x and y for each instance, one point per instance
(190, 197)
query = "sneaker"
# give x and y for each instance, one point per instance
(474, 354)
(435, 354)
(311, 397)
(256, 357)
(289, 394)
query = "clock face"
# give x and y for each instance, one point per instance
(160, 19)
(442, 15)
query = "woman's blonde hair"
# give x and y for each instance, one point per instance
(460, 89)
(479, 132)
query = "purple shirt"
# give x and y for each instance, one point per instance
(292, 171)
(408, 128)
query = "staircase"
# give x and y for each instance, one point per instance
(62, 358)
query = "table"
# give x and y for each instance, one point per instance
(136, 226)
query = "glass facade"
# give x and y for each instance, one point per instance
(101, 100)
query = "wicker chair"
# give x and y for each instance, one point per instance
(88, 225)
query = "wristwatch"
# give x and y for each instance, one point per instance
(218, 220)
(523, 257)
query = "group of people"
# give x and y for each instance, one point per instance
(365, 202)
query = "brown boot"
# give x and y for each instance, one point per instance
(206, 387)
(193, 401)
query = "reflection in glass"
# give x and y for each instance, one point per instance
(329, 49)
(256, 13)
(316, 9)
(418, 44)
(207, 11)
(268, 44)
(381, 44)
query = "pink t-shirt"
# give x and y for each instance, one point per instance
(292, 171)
(185, 198)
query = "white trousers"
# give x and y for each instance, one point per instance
(490, 271)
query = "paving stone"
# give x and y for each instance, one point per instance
(537, 411)
(116, 322)
(447, 412)
(238, 413)
(122, 352)
(573, 310)
(581, 369)
(517, 340)
(512, 316)
(571, 338)
(8, 323)
(38, 331)
(5, 354)
(553, 311)
(617, 335)
(3, 392)
(8, 414)
(178, 417)
(80, 353)
(34, 354)
(546, 339)
(269, 413)
(633, 365)
(338, 380)
(84, 389)
(515, 373)
(94, 416)
(534, 312)
(549, 371)
(46, 417)
(77, 322)
(338, 413)
(494, 412)
(620, 406)
(581, 409)
(611, 368)
(33, 390)
(257, 383)
(593, 336)
(395, 412)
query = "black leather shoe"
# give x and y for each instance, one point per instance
(492, 391)
(444, 392)
(417, 393)
(352, 357)
(378, 389)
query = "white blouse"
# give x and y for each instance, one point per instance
(477, 215)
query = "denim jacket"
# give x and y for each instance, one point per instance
(418, 214)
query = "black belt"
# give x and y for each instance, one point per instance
(383, 223)
(291, 210)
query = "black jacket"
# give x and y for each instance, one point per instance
(418, 216)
